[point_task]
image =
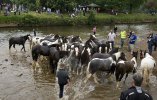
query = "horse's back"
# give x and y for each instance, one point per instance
(148, 62)
(100, 55)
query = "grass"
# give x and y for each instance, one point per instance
(44, 19)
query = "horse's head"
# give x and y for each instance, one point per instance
(76, 39)
(142, 54)
(120, 55)
(135, 54)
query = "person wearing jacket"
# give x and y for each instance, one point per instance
(63, 79)
(135, 92)
(132, 41)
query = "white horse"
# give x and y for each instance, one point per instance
(147, 65)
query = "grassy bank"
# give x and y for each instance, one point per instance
(44, 19)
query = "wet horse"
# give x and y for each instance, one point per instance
(116, 56)
(147, 65)
(85, 58)
(97, 64)
(125, 67)
(51, 52)
(18, 40)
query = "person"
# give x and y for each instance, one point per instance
(94, 30)
(123, 35)
(132, 41)
(115, 29)
(150, 43)
(63, 79)
(34, 32)
(135, 92)
(155, 41)
(111, 37)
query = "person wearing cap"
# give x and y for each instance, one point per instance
(135, 92)
(63, 79)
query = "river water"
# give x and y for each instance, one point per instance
(19, 81)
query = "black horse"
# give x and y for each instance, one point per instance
(51, 52)
(18, 40)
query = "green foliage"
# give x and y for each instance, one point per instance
(35, 19)
(91, 18)
(29, 20)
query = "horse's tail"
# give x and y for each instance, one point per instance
(10, 43)
(145, 75)
(88, 68)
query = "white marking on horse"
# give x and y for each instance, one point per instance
(121, 62)
(118, 54)
(76, 51)
(89, 51)
(100, 49)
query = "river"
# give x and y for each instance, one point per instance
(19, 81)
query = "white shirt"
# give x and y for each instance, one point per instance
(111, 36)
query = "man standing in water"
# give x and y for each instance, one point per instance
(111, 37)
(135, 92)
(123, 36)
(132, 41)
(63, 79)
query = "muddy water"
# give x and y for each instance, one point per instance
(18, 79)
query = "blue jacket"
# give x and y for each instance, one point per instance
(133, 39)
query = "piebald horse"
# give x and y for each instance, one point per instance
(106, 65)
(103, 62)
(147, 65)
(124, 68)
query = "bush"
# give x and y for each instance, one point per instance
(29, 20)
(91, 18)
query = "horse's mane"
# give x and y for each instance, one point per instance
(149, 56)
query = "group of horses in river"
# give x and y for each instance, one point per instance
(85, 57)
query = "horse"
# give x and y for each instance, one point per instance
(51, 52)
(85, 58)
(125, 67)
(116, 56)
(18, 40)
(97, 64)
(142, 54)
(147, 65)
(135, 54)
(75, 39)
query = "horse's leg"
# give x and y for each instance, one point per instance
(14, 47)
(10, 46)
(95, 78)
(87, 77)
(126, 77)
(117, 79)
(23, 47)
(82, 69)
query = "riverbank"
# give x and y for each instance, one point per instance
(44, 19)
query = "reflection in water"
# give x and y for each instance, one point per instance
(20, 81)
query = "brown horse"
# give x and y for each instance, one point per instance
(125, 67)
